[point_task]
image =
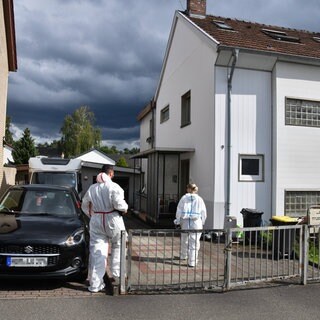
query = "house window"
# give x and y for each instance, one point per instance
(298, 202)
(186, 109)
(164, 115)
(251, 167)
(302, 113)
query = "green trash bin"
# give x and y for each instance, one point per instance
(283, 241)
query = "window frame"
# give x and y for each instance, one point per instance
(302, 112)
(163, 112)
(186, 109)
(247, 177)
(301, 205)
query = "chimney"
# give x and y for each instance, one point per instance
(197, 8)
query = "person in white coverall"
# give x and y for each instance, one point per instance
(191, 215)
(103, 201)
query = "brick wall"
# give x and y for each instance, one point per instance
(197, 7)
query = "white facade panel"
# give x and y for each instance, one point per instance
(297, 147)
(145, 132)
(250, 135)
(189, 61)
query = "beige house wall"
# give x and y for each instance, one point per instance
(9, 175)
(4, 73)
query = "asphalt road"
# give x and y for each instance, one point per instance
(283, 302)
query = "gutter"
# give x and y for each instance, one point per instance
(280, 56)
(235, 54)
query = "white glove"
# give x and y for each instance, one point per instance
(176, 221)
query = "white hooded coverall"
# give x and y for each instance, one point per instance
(101, 201)
(191, 215)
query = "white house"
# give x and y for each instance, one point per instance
(236, 111)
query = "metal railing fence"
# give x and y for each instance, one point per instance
(263, 254)
(150, 259)
(154, 264)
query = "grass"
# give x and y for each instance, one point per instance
(314, 252)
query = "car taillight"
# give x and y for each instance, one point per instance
(78, 204)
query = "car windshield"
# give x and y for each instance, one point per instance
(40, 202)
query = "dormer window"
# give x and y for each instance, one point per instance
(280, 35)
(222, 25)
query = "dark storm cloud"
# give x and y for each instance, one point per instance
(107, 54)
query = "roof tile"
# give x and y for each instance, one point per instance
(249, 35)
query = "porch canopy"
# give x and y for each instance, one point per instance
(146, 153)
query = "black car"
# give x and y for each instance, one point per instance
(43, 233)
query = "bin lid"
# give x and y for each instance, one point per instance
(284, 219)
(251, 211)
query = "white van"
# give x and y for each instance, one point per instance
(57, 171)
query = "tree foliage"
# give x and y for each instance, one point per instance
(79, 133)
(8, 134)
(122, 162)
(24, 148)
(114, 150)
(109, 150)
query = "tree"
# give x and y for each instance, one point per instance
(24, 148)
(107, 150)
(79, 133)
(8, 134)
(132, 151)
(122, 162)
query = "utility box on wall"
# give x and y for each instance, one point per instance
(230, 222)
(314, 215)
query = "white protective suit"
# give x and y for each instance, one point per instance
(191, 215)
(101, 202)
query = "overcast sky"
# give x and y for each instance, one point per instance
(107, 54)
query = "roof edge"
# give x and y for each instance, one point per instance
(177, 15)
(8, 12)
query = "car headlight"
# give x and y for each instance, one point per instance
(75, 238)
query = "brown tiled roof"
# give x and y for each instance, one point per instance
(249, 35)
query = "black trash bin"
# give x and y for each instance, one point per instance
(251, 218)
(283, 239)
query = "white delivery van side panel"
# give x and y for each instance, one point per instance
(48, 164)
(250, 136)
(298, 152)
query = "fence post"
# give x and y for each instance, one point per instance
(228, 251)
(123, 262)
(305, 253)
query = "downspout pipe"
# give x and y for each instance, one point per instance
(235, 54)
(153, 135)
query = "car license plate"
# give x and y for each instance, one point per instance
(27, 261)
